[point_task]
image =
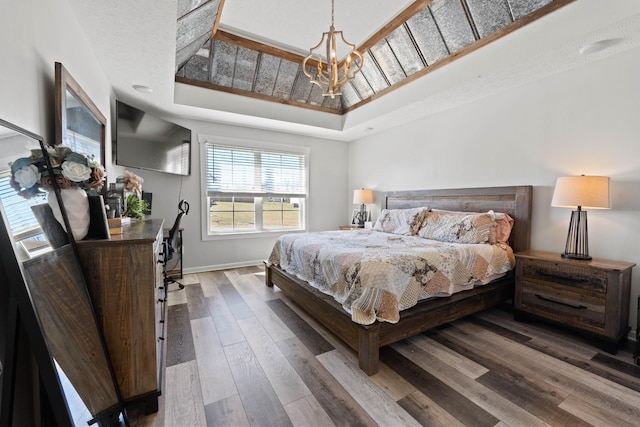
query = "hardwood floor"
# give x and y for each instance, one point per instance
(238, 353)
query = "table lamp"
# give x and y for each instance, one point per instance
(580, 192)
(362, 197)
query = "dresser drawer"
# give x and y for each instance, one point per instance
(566, 304)
(577, 277)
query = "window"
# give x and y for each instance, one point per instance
(255, 189)
(22, 222)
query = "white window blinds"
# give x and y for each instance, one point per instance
(255, 172)
(17, 208)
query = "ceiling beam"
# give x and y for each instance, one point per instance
(217, 21)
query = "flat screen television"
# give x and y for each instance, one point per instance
(146, 141)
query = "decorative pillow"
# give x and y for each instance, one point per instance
(499, 234)
(460, 227)
(504, 225)
(401, 221)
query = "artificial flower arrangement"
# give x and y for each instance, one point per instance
(134, 205)
(30, 176)
(133, 183)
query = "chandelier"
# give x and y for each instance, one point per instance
(332, 75)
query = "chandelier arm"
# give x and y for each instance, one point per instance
(310, 57)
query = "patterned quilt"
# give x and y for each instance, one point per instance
(375, 275)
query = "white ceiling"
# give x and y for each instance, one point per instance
(135, 42)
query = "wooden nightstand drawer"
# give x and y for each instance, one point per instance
(566, 276)
(565, 304)
(591, 297)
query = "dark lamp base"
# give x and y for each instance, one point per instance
(577, 246)
(576, 256)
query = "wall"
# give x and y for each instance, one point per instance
(582, 121)
(327, 182)
(35, 34)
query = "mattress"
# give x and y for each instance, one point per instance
(374, 275)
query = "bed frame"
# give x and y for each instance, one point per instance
(366, 340)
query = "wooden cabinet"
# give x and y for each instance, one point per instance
(124, 277)
(591, 297)
(348, 227)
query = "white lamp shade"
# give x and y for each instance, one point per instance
(362, 196)
(585, 191)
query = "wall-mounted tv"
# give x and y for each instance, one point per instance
(146, 141)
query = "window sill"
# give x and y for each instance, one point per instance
(233, 235)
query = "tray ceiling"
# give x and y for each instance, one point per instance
(425, 36)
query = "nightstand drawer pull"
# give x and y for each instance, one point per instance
(579, 307)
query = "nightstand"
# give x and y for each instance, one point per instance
(590, 297)
(348, 227)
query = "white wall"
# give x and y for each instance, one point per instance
(34, 35)
(583, 121)
(328, 181)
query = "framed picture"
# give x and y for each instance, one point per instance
(355, 217)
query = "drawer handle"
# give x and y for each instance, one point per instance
(579, 307)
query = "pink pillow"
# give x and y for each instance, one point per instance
(504, 226)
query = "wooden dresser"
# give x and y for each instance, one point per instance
(591, 297)
(124, 276)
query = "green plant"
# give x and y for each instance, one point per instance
(135, 207)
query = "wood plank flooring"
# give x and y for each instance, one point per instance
(240, 354)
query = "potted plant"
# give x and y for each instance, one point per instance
(135, 207)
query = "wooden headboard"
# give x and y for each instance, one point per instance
(515, 201)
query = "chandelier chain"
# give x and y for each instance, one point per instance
(332, 13)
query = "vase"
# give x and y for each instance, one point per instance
(76, 205)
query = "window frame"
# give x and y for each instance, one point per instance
(203, 141)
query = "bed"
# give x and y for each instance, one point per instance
(366, 339)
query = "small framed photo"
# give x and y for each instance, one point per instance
(355, 217)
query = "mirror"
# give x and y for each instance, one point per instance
(79, 124)
(44, 292)
(22, 223)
